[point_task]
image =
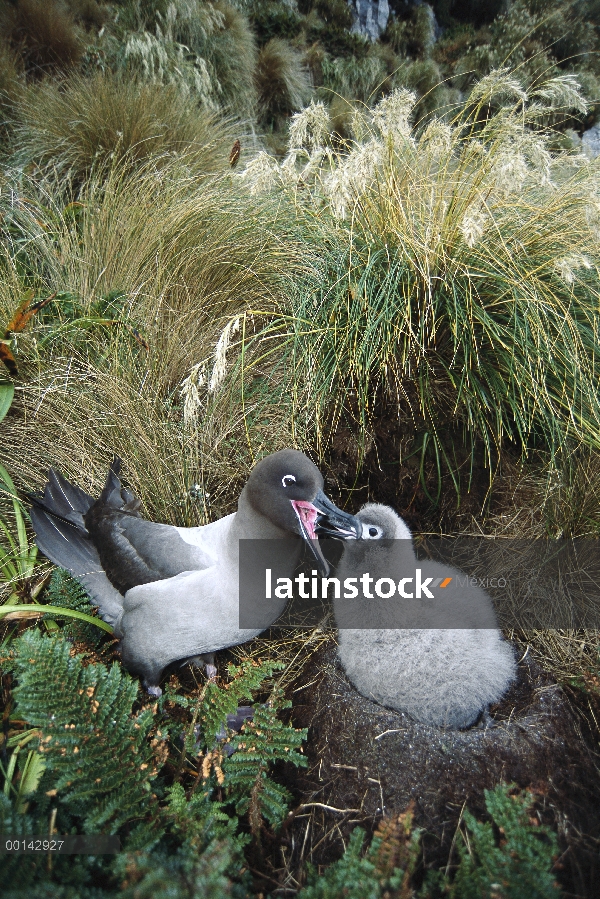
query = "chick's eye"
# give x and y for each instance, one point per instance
(288, 479)
(371, 531)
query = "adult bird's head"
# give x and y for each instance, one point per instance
(287, 489)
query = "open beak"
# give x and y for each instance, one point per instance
(307, 515)
(332, 522)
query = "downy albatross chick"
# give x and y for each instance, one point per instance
(408, 653)
(172, 593)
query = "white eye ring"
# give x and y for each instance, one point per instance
(287, 479)
(371, 532)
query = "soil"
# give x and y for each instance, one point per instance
(367, 761)
(393, 471)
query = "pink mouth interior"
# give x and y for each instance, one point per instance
(307, 514)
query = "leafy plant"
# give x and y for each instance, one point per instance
(64, 594)
(100, 760)
(352, 877)
(30, 773)
(96, 747)
(263, 741)
(208, 858)
(217, 702)
(17, 556)
(7, 393)
(387, 865)
(17, 566)
(241, 762)
(64, 598)
(509, 854)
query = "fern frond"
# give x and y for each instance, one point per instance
(91, 739)
(352, 877)
(522, 860)
(64, 591)
(261, 742)
(222, 700)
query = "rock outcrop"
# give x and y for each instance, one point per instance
(370, 17)
(590, 142)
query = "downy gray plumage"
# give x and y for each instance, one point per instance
(405, 653)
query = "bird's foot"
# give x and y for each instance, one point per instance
(211, 671)
(206, 661)
(235, 723)
(153, 690)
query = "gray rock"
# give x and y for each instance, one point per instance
(370, 17)
(590, 142)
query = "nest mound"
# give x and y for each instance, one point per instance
(369, 760)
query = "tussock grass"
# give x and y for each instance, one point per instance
(553, 499)
(565, 654)
(85, 123)
(221, 34)
(362, 80)
(460, 284)
(182, 257)
(11, 85)
(45, 33)
(282, 81)
(90, 13)
(424, 77)
(207, 49)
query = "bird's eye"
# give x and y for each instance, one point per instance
(288, 479)
(371, 532)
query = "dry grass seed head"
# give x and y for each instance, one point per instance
(232, 53)
(187, 258)
(454, 259)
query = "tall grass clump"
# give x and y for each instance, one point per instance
(11, 85)
(282, 81)
(208, 49)
(147, 269)
(355, 79)
(460, 279)
(45, 34)
(84, 123)
(221, 34)
(538, 38)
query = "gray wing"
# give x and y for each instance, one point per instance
(162, 549)
(65, 545)
(135, 551)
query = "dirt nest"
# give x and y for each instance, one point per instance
(366, 760)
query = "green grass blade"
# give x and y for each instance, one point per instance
(7, 392)
(54, 611)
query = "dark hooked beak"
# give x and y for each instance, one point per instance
(332, 522)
